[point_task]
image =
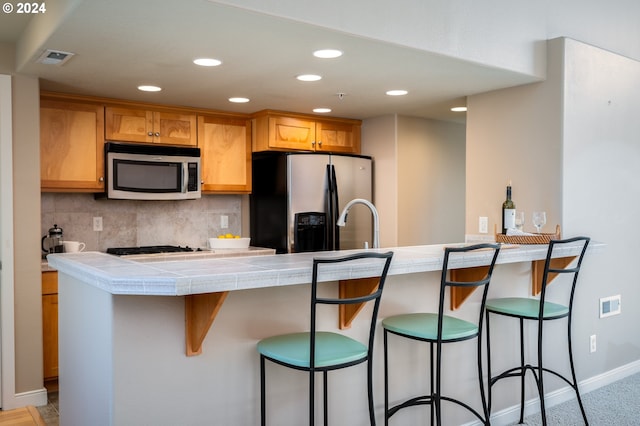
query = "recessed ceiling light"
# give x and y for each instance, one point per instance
(322, 110)
(309, 77)
(459, 109)
(327, 53)
(239, 100)
(207, 62)
(146, 88)
(397, 92)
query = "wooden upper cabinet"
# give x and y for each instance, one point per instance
(278, 131)
(225, 149)
(291, 133)
(71, 146)
(338, 137)
(130, 124)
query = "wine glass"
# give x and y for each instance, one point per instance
(539, 220)
(520, 220)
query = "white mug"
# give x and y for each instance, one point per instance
(73, 246)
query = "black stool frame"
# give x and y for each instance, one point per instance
(312, 369)
(435, 398)
(538, 370)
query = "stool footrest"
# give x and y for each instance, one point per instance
(428, 400)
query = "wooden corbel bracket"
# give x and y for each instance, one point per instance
(200, 310)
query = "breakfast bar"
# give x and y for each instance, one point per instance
(124, 325)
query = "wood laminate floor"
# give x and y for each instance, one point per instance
(25, 416)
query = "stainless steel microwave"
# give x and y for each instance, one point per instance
(151, 172)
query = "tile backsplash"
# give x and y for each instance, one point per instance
(140, 223)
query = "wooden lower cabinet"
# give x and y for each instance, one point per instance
(50, 324)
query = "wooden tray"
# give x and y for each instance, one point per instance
(527, 239)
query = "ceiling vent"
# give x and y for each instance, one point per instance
(54, 57)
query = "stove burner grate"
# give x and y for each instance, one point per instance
(124, 251)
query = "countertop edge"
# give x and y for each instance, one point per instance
(120, 276)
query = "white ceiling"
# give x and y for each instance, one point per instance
(120, 44)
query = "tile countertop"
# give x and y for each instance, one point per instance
(190, 255)
(118, 275)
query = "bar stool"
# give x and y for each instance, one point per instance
(438, 329)
(322, 351)
(540, 310)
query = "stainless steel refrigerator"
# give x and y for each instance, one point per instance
(297, 198)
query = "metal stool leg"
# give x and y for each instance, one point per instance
(262, 394)
(483, 398)
(386, 379)
(522, 371)
(372, 413)
(489, 378)
(432, 395)
(326, 395)
(573, 375)
(311, 397)
(540, 377)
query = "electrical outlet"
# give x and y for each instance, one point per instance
(592, 343)
(483, 224)
(97, 224)
(224, 221)
(611, 305)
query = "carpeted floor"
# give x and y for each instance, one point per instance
(617, 404)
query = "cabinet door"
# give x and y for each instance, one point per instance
(337, 137)
(175, 128)
(225, 149)
(50, 324)
(292, 133)
(128, 124)
(71, 146)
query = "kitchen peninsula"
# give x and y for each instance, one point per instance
(122, 334)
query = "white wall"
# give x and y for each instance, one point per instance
(431, 184)
(601, 189)
(419, 181)
(571, 152)
(379, 136)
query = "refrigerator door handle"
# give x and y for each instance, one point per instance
(336, 213)
(329, 209)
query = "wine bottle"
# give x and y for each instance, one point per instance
(508, 212)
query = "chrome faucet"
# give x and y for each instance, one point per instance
(342, 220)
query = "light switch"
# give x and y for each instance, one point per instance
(224, 221)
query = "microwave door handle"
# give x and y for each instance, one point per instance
(185, 177)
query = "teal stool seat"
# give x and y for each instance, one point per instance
(425, 326)
(318, 351)
(538, 311)
(331, 349)
(437, 329)
(526, 308)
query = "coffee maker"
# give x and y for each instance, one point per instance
(52, 242)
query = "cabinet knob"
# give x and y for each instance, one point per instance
(101, 179)
(150, 134)
(320, 143)
(313, 143)
(157, 134)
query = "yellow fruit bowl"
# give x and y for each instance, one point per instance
(225, 242)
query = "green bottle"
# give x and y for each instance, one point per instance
(508, 212)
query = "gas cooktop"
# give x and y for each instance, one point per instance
(125, 251)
